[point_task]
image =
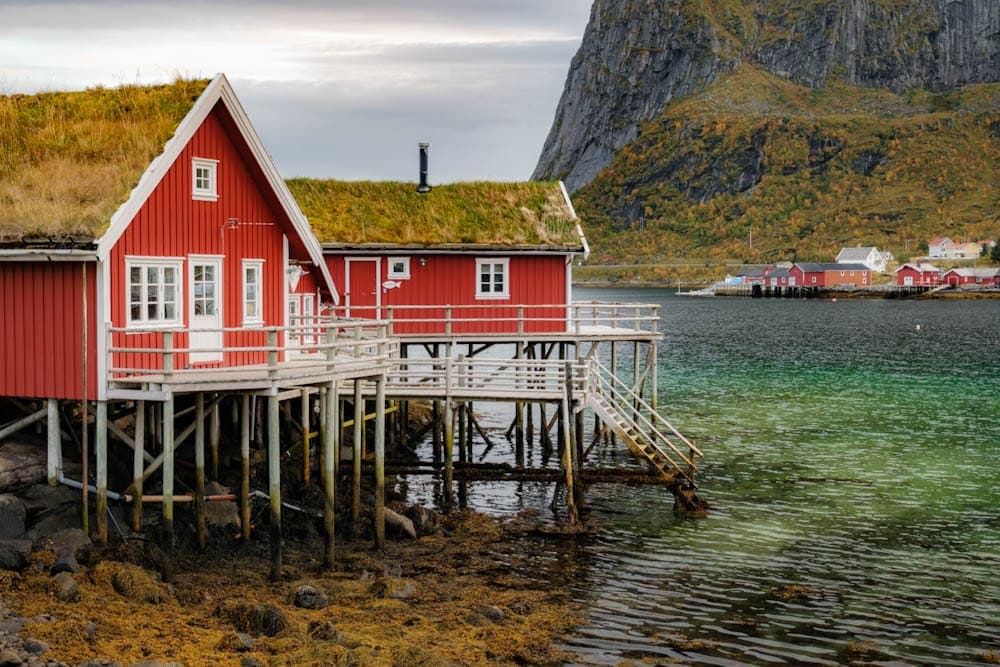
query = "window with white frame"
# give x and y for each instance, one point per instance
(308, 334)
(492, 280)
(294, 308)
(253, 298)
(399, 268)
(204, 182)
(153, 288)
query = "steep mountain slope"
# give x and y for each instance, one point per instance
(638, 56)
(803, 170)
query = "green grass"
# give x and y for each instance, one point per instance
(934, 169)
(68, 160)
(508, 214)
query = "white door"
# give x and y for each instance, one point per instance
(364, 294)
(791, 281)
(206, 309)
(907, 280)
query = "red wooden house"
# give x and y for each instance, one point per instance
(984, 277)
(829, 274)
(158, 209)
(919, 274)
(491, 258)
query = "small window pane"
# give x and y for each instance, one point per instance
(136, 311)
(169, 275)
(135, 275)
(169, 311)
(152, 274)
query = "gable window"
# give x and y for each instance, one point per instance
(204, 182)
(399, 268)
(153, 287)
(253, 303)
(492, 279)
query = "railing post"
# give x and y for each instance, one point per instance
(168, 354)
(389, 312)
(108, 355)
(272, 353)
(520, 319)
(331, 342)
(447, 321)
(576, 320)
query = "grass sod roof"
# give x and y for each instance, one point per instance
(528, 214)
(68, 160)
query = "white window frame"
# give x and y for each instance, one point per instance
(505, 262)
(258, 265)
(391, 273)
(211, 193)
(177, 264)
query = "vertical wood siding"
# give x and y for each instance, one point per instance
(450, 279)
(41, 329)
(172, 224)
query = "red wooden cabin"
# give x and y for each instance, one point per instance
(482, 258)
(829, 274)
(984, 277)
(919, 274)
(167, 215)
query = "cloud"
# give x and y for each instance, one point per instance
(336, 89)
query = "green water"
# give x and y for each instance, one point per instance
(852, 450)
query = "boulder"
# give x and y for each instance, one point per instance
(65, 563)
(309, 597)
(14, 554)
(399, 524)
(21, 464)
(13, 514)
(65, 587)
(35, 647)
(237, 642)
(68, 541)
(10, 658)
(223, 515)
(251, 662)
(253, 618)
(134, 583)
(491, 612)
(424, 520)
(324, 631)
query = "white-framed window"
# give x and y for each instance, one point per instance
(814, 278)
(399, 268)
(294, 308)
(153, 288)
(308, 335)
(492, 278)
(204, 181)
(253, 295)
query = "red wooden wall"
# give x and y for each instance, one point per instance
(450, 279)
(172, 224)
(41, 329)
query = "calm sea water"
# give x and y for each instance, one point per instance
(852, 450)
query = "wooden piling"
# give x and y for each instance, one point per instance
(331, 443)
(274, 482)
(137, 464)
(215, 438)
(101, 455)
(168, 476)
(359, 433)
(568, 447)
(304, 421)
(199, 468)
(245, 417)
(54, 459)
(380, 463)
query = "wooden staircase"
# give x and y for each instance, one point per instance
(647, 434)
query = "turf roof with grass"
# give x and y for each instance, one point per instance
(68, 160)
(509, 215)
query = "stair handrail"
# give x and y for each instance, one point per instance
(631, 393)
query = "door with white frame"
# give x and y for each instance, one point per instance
(205, 315)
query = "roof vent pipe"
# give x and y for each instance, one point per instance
(423, 188)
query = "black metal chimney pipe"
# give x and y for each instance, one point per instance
(423, 188)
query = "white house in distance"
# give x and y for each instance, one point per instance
(869, 256)
(943, 247)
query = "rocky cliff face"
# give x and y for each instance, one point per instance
(639, 55)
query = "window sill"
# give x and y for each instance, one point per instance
(204, 197)
(492, 297)
(158, 327)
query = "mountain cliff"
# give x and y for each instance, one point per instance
(639, 56)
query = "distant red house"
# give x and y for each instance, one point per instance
(484, 256)
(920, 274)
(829, 274)
(200, 236)
(985, 277)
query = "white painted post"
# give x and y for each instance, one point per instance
(137, 463)
(54, 441)
(101, 453)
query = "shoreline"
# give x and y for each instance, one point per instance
(825, 294)
(462, 598)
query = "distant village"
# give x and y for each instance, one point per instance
(856, 268)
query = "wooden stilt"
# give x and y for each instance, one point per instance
(461, 432)
(304, 415)
(449, 451)
(359, 433)
(380, 463)
(331, 443)
(215, 437)
(245, 417)
(137, 463)
(199, 468)
(274, 482)
(323, 412)
(567, 450)
(54, 459)
(436, 431)
(101, 455)
(168, 476)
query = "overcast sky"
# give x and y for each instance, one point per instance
(338, 88)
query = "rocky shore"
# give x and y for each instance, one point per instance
(459, 588)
